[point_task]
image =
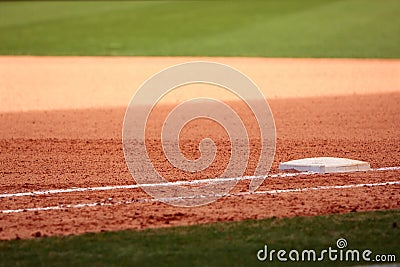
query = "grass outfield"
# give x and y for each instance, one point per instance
(219, 244)
(290, 28)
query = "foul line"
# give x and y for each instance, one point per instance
(279, 191)
(193, 182)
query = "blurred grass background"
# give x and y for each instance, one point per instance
(277, 28)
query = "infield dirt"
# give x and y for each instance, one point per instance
(68, 137)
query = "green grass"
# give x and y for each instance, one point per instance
(219, 244)
(279, 28)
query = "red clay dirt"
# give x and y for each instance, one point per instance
(54, 149)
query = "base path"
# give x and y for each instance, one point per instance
(61, 121)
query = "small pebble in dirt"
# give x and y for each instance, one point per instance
(394, 225)
(37, 234)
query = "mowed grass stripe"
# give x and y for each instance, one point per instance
(290, 28)
(218, 244)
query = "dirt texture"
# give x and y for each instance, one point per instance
(46, 148)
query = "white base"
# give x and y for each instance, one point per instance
(325, 165)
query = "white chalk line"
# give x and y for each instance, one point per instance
(277, 191)
(193, 182)
(134, 186)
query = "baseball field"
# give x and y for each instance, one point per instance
(330, 71)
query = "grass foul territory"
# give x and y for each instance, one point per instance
(220, 244)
